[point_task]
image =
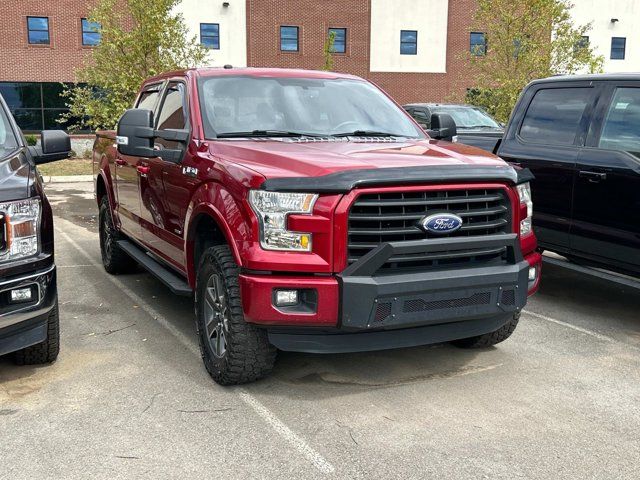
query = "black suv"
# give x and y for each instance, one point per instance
(580, 136)
(29, 324)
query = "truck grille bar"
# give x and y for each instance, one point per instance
(377, 218)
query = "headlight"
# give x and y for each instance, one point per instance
(20, 223)
(272, 209)
(524, 192)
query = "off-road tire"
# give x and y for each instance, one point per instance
(114, 259)
(47, 351)
(248, 356)
(492, 338)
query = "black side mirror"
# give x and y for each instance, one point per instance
(54, 145)
(443, 127)
(135, 136)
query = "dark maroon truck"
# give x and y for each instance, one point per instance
(306, 211)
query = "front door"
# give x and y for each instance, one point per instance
(162, 217)
(128, 174)
(606, 215)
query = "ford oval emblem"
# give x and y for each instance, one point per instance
(441, 223)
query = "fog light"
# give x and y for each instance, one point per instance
(286, 298)
(533, 273)
(20, 295)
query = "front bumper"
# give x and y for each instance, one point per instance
(25, 324)
(364, 309)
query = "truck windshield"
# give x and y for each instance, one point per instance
(242, 106)
(469, 117)
(8, 141)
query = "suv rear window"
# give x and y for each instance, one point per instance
(554, 115)
(622, 126)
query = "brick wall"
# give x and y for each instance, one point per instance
(264, 18)
(41, 63)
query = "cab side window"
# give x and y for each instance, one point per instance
(621, 130)
(149, 98)
(422, 118)
(172, 114)
(554, 115)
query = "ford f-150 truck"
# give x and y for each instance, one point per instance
(306, 211)
(29, 324)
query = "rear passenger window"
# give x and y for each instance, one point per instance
(554, 115)
(621, 129)
(149, 98)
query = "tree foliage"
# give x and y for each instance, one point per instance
(329, 50)
(140, 39)
(526, 40)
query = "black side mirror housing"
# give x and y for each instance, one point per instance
(443, 127)
(135, 136)
(54, 145)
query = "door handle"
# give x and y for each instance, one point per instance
(593, 177)
(121, 162)
(143, 170)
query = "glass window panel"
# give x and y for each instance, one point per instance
(289, 39)
(29, 120)
(38, 37)
(210, 35)
(478, 45)
(408, 42)
(172, 114)
(554, 115)
(38, 23)
(618, 47)
(340, 39)
(621, 129)
(52, 95)
(21, 95)
(51, 117)
(209, 28)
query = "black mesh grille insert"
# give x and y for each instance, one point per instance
(509, 297)
(383, 310)
(376, 218)
(419, 305)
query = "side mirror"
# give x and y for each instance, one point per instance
(443, 127)
(135, 136)
(54, 145)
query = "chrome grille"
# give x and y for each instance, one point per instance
(377, 218)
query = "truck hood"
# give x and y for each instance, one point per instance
(286, 158)
(16, 176)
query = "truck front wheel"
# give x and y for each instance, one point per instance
(492, 338)
(47, 351)
(232, 350)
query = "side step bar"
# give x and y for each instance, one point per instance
(175, 283)
(622, 280)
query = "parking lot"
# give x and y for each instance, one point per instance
(129, 395)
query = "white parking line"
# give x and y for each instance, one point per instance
(573, 327)
(263, 412)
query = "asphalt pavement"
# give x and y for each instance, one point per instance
(130, 398)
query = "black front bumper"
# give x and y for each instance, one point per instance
(380, 311)
(23, 325)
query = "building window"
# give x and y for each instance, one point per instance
(91, 35)
(340, 39)
(478, 44)
(38, 28)
(582, 43)
(289, 39)
(210, 35)
(408, 42)
(618, 46)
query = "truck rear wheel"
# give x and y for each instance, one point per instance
(492, 338)
(232, 350)
(47, 351)
(114, 259)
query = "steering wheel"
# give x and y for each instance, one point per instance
(343, 126)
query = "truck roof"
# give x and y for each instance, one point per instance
(590, 77)
(254, 72)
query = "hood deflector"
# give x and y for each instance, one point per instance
(343, 182)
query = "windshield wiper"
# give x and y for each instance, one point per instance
(265, 133)
(367, 133)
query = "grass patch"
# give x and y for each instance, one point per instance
(76, 166)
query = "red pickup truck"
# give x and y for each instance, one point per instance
(306, 211)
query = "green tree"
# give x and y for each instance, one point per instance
(526, 40)
(140, 39)
(329, 50)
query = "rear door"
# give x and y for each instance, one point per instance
(606, 214)
(127, 175)
(546, 133)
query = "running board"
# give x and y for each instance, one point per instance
(176, 284)
(593, 272)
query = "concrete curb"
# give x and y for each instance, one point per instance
(67, 178)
